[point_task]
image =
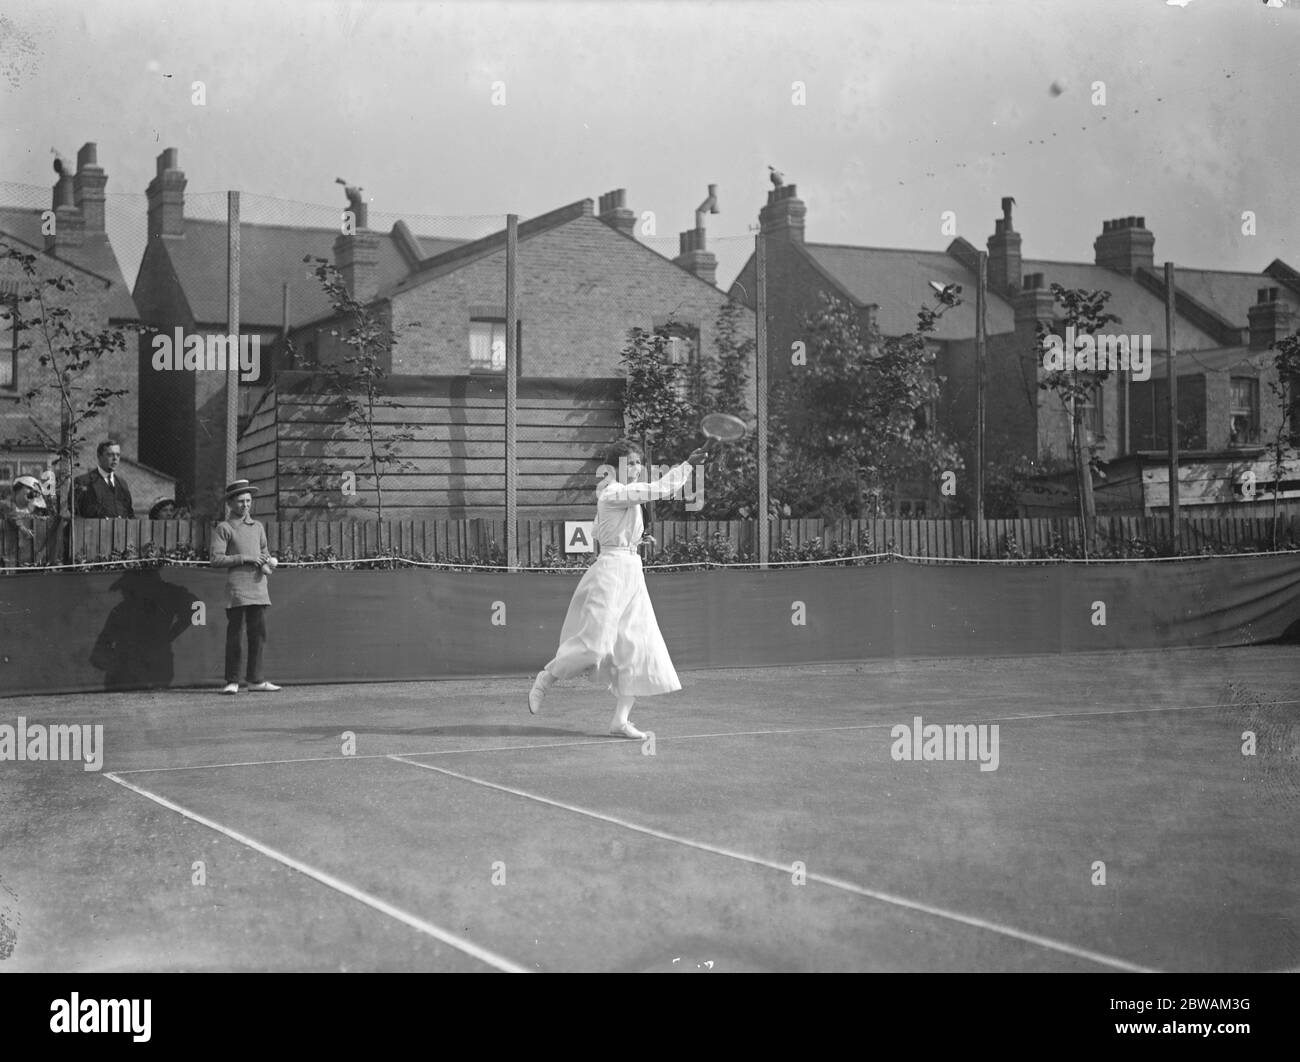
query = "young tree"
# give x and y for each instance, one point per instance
(1285, 388)
(1077, 388)
(358, 382)
(654, 411)
(852, 423)
(67, 355)
(730, 487)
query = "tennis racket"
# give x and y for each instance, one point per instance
(723, 428)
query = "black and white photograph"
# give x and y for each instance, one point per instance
(653, 487)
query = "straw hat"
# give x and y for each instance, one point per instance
(238, 487)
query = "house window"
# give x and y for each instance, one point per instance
(8, 345)
(1094, 414)
(487, 346)
(1243, 429)
(683, 350)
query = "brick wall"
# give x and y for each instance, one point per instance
(582, 286)
(89, 302)
(794, 289)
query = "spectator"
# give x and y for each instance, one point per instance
(20, 510)
(101, 493)
(28, 499)
(239, 544)
(163, 510)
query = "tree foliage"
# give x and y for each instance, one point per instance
(852, 425)
(66, 354)
(357, 381)
(1085, 314)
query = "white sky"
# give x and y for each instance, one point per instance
(913, 108)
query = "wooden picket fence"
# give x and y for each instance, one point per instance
(540, 541)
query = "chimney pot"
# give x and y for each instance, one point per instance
(783, 216)
(1125, 245)
(166, 195)
(614, 211)
(1270, 319)
(1004, 268)
(357, 259)
(88, 188)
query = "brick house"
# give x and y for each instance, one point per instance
(69, 240)
(1224, 322)
(584, 280)
(182, 284)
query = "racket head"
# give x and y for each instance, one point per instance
(724, 427)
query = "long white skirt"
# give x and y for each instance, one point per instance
(611, 631)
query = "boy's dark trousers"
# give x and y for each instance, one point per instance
(255, 616)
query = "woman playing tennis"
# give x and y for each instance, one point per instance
(610, 626)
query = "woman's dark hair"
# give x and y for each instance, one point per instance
(623, 448)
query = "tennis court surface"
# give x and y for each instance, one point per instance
(769, 827)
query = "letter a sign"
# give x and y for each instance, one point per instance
(579, 535)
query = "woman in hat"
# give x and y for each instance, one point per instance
(239, 544)
(28, 499)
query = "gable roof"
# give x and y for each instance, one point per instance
(448, 261)
(1229, 294)
(95, 255)
(271, 255)
(897, 281)
(1141, 311)
(460, 257)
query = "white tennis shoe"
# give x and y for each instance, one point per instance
(537, 694)
(626, 730)
(263, 687)
(230, 687)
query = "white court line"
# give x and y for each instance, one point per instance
(835, 883)
(692, 737)
(459, 943)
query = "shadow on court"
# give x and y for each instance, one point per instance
(1141, 816)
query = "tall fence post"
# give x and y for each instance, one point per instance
(232, 353)
(512, 391)
(760, 380)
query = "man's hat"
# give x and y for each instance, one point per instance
(30, 482)
(238, 487)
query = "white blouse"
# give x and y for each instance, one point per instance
(618, 506)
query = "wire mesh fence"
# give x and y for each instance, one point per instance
(372, 356)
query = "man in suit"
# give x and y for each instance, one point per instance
(102, 493)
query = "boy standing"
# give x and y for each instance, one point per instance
(239, 544)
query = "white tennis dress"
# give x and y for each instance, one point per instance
(610, 627)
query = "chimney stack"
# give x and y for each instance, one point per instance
(695, 258)
(1033, 304)
(1270, 319)
(88, 188)
(357, 256)
(69, 224)
(1125, 245)
(614, 211)
(1004, 253)
(166, 194)
(783, 216)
